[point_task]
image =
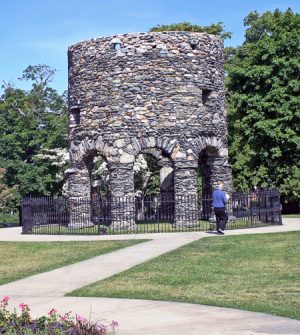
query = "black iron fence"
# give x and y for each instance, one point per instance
(159, 213)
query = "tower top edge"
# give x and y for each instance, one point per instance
(159, 36)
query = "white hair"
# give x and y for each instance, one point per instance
(219, 185)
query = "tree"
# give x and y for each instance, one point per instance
(214, 28)
(263, 103)
(30, 123)
(146, 175)
(7, 194)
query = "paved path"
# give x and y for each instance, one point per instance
(45, 291)
(14, 234)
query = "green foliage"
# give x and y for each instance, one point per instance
(147, 178)
(100, 177)
(7, 194)
(9, 217)
(214, 28)
(31, 122)
(40, 74)
(263, 103)
(291, 184)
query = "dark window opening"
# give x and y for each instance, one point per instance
(194, 44)
(205, 95)
(75, 110)
(117, 46)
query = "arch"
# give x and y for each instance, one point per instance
(155, 152)
(212, 162)
(155, 189)
(161, 149)
(88, 147)
(165, 144)
(164, 162)
(203, 143)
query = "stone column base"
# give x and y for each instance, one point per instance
(122, 200)
(186, 211)
(123, 213)
(80, 210)
(186, 199)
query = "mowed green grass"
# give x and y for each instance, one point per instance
(23, 259)
(250, 272)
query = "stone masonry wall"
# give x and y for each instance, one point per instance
(133, 92)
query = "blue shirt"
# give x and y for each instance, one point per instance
(219, 198)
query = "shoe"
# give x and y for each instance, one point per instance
(219, 231)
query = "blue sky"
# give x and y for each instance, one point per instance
(39, 31)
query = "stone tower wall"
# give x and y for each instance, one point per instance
(137, 92)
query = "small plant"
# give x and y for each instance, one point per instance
(14, 323)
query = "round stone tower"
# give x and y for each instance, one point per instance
(156, 93)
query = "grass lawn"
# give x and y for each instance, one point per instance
(251, 272)
(23, 259)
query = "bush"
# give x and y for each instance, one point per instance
(9, 218)
(14, 323)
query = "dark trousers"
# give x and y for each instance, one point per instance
(221, 217)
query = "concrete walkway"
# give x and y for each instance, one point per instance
(46, 291)
(14, 234)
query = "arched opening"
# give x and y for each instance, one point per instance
(146, 175)
(206, 162)
(206, 179)
(153, 172)
(98, 175)
(154, 186)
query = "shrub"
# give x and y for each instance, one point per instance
(14, 323)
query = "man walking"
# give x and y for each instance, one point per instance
(219, 203)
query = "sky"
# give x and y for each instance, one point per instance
(36, 32)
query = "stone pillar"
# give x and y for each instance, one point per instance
(220, 172)
(79, 195)
(121, 184)
(166, 209)
(215, 169)
(166, 176)
(186, 199)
